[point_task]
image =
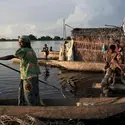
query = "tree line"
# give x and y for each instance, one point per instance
(34, 38)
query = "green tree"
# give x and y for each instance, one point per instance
(56, 38)
(42, 38)
(2, 39)
(32, 37)
(48, 38)
(45, 38)
(68, 38)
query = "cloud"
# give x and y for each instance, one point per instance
(46, 17)
(18, 29)
(41, 14)
(88, 13)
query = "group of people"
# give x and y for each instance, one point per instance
(29, 69)
(114, 58)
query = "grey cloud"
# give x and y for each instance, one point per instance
(28, 11)
(47, 15)
(97, 13)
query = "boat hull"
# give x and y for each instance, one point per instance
(70, 65)
(52, 55)
(90, 108)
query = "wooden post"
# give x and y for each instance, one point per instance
(64, 30)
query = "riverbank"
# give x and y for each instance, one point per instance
(70, 65)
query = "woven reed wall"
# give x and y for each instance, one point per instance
(86, 51)
(88, 42)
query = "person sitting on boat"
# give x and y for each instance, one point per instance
(112, 66)
(45, 49)
(29, 70)
(63, 52)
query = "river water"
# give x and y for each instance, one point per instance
(72, 84)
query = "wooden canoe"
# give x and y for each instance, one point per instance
(90, 108)
(70, 65)
(52, 54)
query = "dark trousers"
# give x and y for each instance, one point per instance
(105, 82)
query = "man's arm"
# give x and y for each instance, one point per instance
(9, 57)
(117, 64)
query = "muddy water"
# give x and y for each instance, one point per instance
(73, 84)
(80, 83)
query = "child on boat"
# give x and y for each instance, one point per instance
(29, 70)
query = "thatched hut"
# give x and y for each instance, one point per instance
(88, 42)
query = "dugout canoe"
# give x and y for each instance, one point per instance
(90, 108)
(52, 54)
(70, 65)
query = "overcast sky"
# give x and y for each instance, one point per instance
(45, 17)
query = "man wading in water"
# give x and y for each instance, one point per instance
(45, 49)
(29, 70)
(112, 65)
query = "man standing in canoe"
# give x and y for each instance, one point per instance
(29, 70)
(46, 50)
(112, 66)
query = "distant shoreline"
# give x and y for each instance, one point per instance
(31, 40)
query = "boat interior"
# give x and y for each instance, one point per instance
(69, 102)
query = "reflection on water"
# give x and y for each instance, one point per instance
(73, 84)
(80, 84)
(46, 72)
